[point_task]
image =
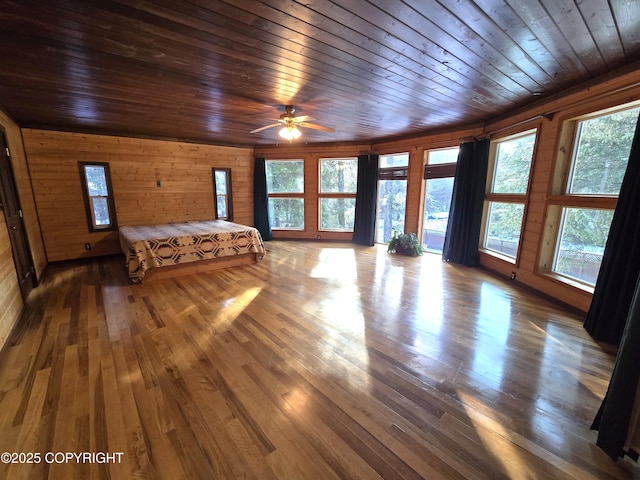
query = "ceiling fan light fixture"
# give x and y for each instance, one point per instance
(290, 132)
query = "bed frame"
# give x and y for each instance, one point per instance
(202, 266)
(155, 252)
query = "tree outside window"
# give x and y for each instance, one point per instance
(337, 199)
(508, 183)
(222, 193)
(96, 188)
(593, 156)
(439, 173)
(285, 189)
(392, 195)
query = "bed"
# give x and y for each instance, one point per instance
(167, 250)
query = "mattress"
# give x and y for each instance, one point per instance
(151, 246)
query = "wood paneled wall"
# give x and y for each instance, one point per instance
(10, 296)
(184, 171)
(547, 117)
(138, 166)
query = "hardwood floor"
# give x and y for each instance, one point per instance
(323, 361)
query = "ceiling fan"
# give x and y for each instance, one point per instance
(291, 122)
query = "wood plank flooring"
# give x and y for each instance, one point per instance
(323, 361)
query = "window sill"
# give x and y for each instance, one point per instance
(498, 255)
(568, 281)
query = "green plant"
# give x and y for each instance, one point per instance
(405, 244)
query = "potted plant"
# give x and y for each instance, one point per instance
(405, 244)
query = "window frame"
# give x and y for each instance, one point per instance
(396, 172)
(288, 195)
(324, 195)
(228, 196)
(88, 199)
(514, 198)
(434, 171)
(560, 199)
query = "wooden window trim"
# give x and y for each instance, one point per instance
(393, 173)
(441, 170)
(229, 195)
(87, 198)
(516, 198)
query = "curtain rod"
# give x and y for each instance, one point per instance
(474, 137)
(546, 116)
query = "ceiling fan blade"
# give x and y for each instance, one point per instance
(264, 128)
(316, 127)
(302, 118)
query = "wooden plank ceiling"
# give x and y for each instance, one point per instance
(212, 71)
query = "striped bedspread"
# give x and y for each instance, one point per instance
(148, 246)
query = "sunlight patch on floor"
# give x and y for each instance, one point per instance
(556, 354)
(497, 441)
(337, 263)
(492, 333)
(234, 306)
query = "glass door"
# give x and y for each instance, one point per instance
(439, 173)
(392, 195)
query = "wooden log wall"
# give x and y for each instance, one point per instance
(10, 297)
(154, 181)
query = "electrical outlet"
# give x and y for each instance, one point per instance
(158, 183)
(318, 237)
(87, 246)
(513, 275)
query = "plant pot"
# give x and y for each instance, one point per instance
(404, 251)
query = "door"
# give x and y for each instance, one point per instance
(437, 201)
(439, 172)
(10, 205)
(392, 195)
(391, 206)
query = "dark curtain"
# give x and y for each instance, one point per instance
(613, 418)
(467, 201)
(620, 266)
(260, 199)
(364, 227)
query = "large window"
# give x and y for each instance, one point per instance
(285, 188)
(506, 198)
(593, 156)
(222, 193)
(99, 204)
(337, 196)
(439, 172)
(392, 195)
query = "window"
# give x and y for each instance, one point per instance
(439, 172)
(392, 195)
(222, 193)
(581, 240)
(285, 189)
(337, 199)
(507, 188)
(99, 204)
(591, 163)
